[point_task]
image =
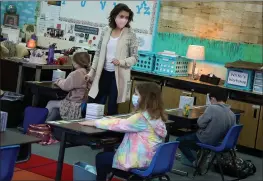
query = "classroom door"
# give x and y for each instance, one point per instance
(259, 142)
(250, 121)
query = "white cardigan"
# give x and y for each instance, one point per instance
(126, 53)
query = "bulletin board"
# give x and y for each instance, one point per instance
(229, 31)
(82, 21)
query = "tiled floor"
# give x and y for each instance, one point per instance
(85, 154)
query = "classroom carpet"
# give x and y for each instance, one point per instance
(86, 154)
(41, 168)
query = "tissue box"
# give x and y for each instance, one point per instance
(95, 109)
(84, 171)
(3, 122)
(58, 74)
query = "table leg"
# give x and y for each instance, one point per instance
(37, 78)
(61, 156)
(35, 98)
(19, 79)
(38, 74)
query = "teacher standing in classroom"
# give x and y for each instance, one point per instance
(116, 54)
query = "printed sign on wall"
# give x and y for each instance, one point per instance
(87, 29)
(237, 78)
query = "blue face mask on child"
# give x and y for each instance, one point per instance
(135, 100)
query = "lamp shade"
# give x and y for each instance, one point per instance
(196, 52)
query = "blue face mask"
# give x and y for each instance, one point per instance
(135, 100)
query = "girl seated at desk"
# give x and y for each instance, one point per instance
(75, 84)
(145, 130)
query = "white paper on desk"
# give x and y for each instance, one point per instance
(77, 120)
(53, 122)
(93, 117)
(64, 122)
(184, 100)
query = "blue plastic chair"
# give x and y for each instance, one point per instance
(34, 115)
(83, 109)
(228, 145)
(162, 163)
(8, 156)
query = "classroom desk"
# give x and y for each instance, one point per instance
(181, 121)
(38, 68)
(45, 88)
(10, 138)
(77, 134)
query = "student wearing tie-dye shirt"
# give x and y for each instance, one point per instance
(144, 131)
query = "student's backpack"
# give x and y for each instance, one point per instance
(243, 169)
(42, 131)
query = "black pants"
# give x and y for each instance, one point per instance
(188, 143)
(104, 167)
(107, 88)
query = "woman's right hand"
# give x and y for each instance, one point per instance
(87, 78)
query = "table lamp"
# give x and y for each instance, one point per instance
(195, 52)
(32, 42)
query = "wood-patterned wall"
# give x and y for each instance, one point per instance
(227, 21)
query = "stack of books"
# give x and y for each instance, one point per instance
(3, 121)
(94, 111)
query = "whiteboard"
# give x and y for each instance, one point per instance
(96, 13)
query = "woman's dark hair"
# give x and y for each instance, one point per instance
(82, 59)
(151, 100)
(114, 13)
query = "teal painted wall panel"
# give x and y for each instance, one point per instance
(216, 51)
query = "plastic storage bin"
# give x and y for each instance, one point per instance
(171, 66)
(84, 171)
(258, 83)
(241, 79)
(145, 62)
